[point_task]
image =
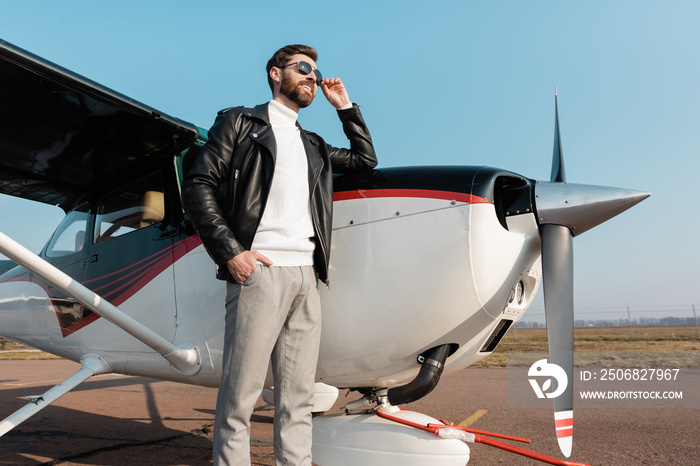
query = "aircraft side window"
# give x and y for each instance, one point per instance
(69, 237)
(130, 208)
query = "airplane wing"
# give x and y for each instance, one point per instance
(61, 133)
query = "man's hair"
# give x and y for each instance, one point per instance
(283, 55)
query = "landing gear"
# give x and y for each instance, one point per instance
(368, 439)
(372, 400)
(363, 436)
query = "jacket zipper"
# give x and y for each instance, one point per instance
(317, 176)
(233, 192)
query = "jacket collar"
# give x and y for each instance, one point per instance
(260, 112)
(266, 137)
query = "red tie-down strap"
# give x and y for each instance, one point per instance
(446, 430)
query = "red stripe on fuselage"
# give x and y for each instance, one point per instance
(416, 193)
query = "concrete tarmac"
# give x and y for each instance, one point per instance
(115, 420)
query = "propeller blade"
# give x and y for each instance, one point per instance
(558, 284)
(558, 173)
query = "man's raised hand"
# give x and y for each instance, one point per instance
(335, 92)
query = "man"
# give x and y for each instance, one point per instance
(270, 238)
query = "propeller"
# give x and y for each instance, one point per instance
(563, 211)
(558, 285)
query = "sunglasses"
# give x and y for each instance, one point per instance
(305, 68)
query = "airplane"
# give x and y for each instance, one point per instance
(430, 267)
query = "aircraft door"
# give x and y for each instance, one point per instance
(66, 251)
(129, 263)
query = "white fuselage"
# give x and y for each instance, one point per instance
(407, 274)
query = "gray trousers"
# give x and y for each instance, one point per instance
(274, 317)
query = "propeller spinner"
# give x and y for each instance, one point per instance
(564, 211)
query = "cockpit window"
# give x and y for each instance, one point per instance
(130, 208)
(70, 234)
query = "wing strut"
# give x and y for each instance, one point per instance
(91, 365)
(184, 358)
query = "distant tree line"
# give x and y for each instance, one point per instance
(636, 322)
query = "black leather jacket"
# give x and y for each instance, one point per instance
(239, 158)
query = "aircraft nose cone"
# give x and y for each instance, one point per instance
(581, 207)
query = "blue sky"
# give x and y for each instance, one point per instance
(442, 83)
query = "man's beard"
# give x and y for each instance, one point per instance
(290, 89)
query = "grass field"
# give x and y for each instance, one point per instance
(666, 338)
(12, 350)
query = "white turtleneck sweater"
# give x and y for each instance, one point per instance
(286, 230)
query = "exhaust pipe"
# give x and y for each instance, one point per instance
(432, 364)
